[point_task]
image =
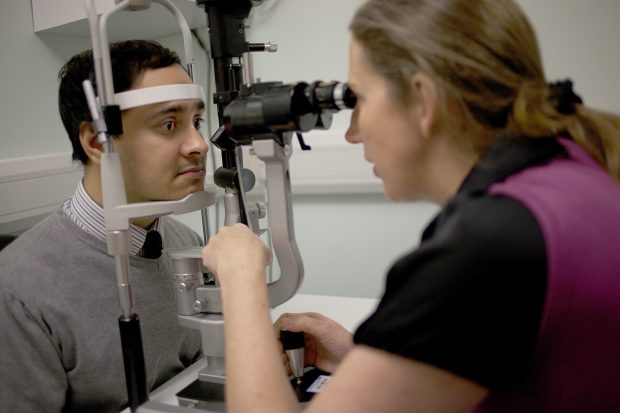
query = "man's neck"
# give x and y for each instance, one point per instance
(92, 185)
(145, 223)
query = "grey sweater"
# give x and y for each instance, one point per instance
(59, 307)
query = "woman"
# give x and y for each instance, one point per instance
(511, 301)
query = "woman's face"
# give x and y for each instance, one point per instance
(389, 130)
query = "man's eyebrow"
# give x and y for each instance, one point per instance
(176, 107)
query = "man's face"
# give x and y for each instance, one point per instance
(162, 151)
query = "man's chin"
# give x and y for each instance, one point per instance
(175, 194)
(194, 188)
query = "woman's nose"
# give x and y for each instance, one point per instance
(352, 134)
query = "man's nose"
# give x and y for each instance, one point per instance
(195, 143)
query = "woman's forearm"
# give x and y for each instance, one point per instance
(256, 379)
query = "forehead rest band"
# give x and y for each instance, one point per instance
(157, 94)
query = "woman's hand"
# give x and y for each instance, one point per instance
(237, 258)
(235, 253)
(326, 341)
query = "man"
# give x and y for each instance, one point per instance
(60, 346)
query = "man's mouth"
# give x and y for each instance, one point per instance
(194, 172)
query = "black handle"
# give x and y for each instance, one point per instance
(133, 359)
(292, 340)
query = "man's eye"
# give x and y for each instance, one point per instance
(168, 126)
(198, 123)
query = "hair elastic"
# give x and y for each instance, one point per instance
(563, 98)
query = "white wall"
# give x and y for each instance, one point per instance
(347, 241)
(579, 39)
(29, 67)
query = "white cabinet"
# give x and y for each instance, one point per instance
(32, 187)
(68, 17)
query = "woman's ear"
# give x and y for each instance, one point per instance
(425, 90)
(89, 142)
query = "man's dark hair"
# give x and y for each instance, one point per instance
(129, 60)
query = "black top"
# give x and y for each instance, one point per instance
(469, 299)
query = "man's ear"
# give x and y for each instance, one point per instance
(89, 142)
(425, 90)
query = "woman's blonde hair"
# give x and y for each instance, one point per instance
(484, 58)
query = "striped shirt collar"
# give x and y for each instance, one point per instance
(89, 216)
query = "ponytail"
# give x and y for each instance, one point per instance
(555, 110)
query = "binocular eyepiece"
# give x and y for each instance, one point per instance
(273, 107)
(333, 96)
